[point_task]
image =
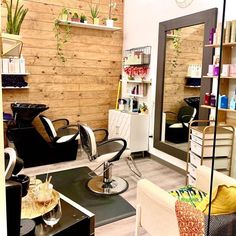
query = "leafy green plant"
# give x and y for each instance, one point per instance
(143, 107)
(65, 14)
(94, 10)
(83, 18)
(62, 34)
(177, 46)
(112, 5)
(75, 15)
(14, 17)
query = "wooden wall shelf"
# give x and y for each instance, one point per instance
(219, 109)
(224, 45)
(15, 73)
(216, 77)
(11, 87)
(88, 26)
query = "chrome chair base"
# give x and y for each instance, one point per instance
(116, 186)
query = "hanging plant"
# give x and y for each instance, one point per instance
(14, 17)
(177, 46)
(62, 34)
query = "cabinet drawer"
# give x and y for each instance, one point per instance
(192, 170)
(207, 151)
(220, 162)
(209, 142)
(191, 180)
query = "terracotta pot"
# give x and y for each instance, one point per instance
(75, 19)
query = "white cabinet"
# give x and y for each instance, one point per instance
(133, 127)
(201, 149)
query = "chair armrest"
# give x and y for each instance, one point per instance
(105, 134)
(123, 146)
(203, 179)
(66, 121)
(171, 113)
(157, 209)
(68, 126)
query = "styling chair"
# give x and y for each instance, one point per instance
(177, 129)
(105, 153)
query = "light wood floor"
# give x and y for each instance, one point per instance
(161, 175)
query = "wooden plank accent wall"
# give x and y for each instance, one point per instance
(191, 49)
(85, 87)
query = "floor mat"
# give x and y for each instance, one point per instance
(72, 183)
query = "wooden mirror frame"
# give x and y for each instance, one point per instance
(208, 18)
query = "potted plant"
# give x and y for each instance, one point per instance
(14, 17)
(62, 36)
(83, 18)
(75, 17)
(64, 14)
(110, 20)
(94, 14)
(143, 108)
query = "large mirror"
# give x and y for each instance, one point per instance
(182, 59)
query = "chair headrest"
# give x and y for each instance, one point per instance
(88, 141)
(49, 127)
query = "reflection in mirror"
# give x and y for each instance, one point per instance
(182, 79)
(182, 59)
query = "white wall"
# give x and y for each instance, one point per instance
(141, 22)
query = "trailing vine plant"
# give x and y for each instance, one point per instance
(62, 34)
(177, 46)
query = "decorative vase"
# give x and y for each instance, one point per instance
(109, 23)
(96, 21)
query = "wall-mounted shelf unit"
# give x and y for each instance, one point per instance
(14, 81)
(135, 95)
(192, 82)
(15, 74)
(220, 109)
(11, 87)
(191, 86)
(135, 78)
(224, 83)
(217, 45)
(88, 26)
(137, 56)
(216, 77)
(139, 81)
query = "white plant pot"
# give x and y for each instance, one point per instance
(109, 23)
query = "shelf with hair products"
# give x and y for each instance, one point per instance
(225, 78)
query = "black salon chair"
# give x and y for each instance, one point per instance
(105, 153)
(35, 150)
(177, 128)
(63, 132)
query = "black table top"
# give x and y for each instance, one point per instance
(72, 222)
